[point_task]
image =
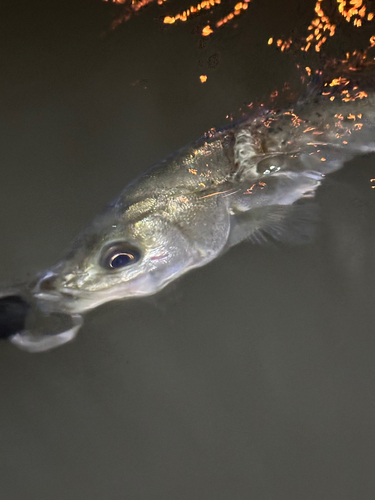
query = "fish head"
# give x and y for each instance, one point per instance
(125, 253)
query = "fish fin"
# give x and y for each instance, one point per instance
(291, 224)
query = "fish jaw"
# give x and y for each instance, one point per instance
(74, 301)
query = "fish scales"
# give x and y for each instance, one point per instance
(251, 181)
(180, 214)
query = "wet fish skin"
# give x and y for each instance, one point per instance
(235, 184)
(166, 215)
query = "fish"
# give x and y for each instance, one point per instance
(252, 181)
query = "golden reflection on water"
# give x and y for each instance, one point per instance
(322, 25)
(326, 16)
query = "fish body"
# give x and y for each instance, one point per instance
(250, 181)
(239, 183)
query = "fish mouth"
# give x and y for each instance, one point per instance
(54, 295)
(51, 296)
(61, 292)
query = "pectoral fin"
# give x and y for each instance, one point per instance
(292, 224)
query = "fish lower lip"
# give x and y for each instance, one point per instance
(55, 296)
(50, 296)
(68, 293)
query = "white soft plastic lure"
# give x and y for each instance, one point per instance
(241, 183)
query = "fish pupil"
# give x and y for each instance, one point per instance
(121, 260)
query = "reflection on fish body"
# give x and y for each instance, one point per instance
(244, 182)
(236, 184)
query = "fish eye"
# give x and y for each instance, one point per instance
(118, 256)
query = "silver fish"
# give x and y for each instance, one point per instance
(246, 182)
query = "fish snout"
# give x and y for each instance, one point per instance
(51, 291)
(52, 282)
